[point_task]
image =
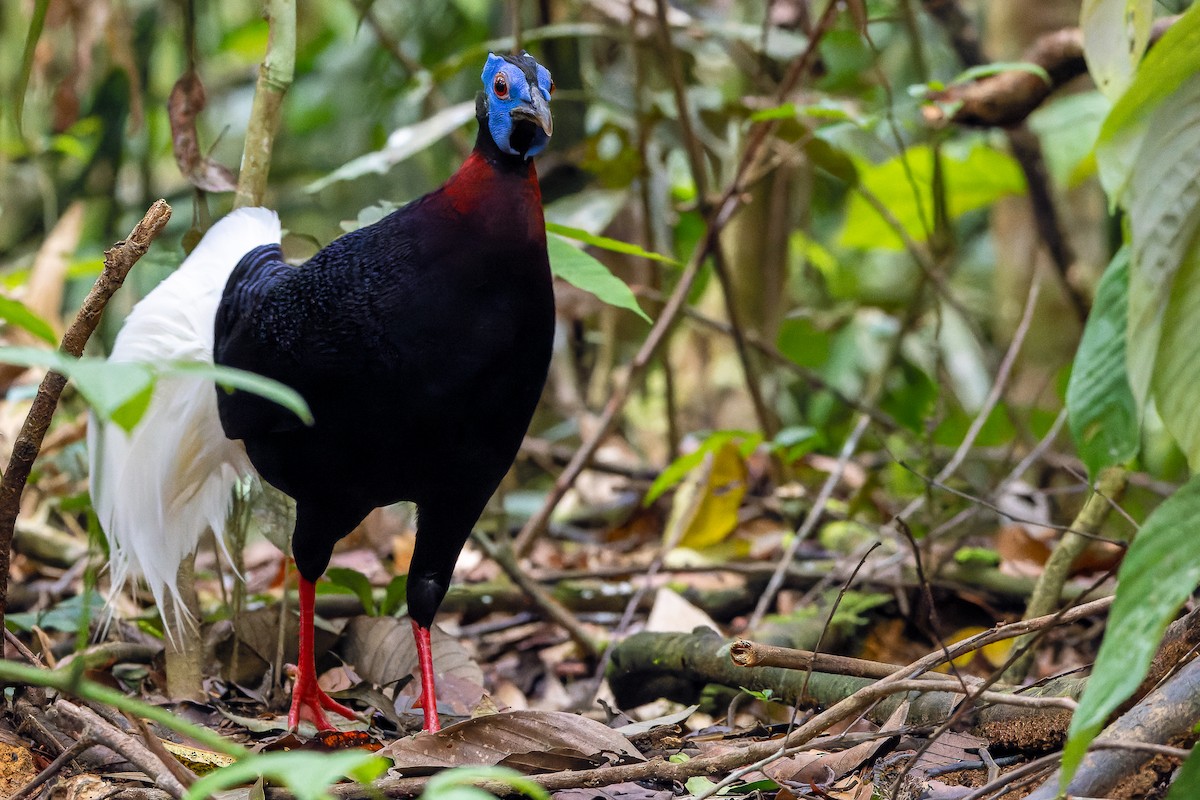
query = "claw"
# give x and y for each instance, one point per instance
(310, 702)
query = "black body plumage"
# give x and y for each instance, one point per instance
(421, 343)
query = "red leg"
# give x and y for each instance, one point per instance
(308, 699)
(428, 692)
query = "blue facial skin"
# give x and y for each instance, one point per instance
(520, 101)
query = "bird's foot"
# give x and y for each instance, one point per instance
(310, 702)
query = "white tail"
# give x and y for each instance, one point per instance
(157, 489)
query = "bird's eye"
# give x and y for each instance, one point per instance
(500, 86)
(552, 86)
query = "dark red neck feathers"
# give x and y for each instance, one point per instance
(503, 198)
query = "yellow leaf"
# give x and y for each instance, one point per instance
(706, 504)
(200, 762)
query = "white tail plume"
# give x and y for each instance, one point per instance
(157, 489)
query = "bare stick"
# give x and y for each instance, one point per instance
(1009, 97)
(96, 729)
(1048, 589)
(812, 518)
(503, 555)
(1002, 374)
(274, 79)
(695, 153)
(118, 260)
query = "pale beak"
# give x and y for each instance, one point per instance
(537, 111)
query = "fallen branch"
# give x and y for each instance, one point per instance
(94, 728)
(118, 260)
(1007, 98)
(1168, 714)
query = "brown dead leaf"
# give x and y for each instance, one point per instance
(457, 696)
(186, 102)
(530, 741)
(382, 651)
(801, 768)
(950, 748)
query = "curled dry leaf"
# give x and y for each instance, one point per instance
(528, 741)
(186, 103)
(382, 651)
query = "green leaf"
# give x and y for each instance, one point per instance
(36, 24)
(1168, 66)
(1103, 413)
(395, 597)
(1158, 574)
(974, 178)
(119, 391)
(14, 312)
(1187, 781)
(357, 583)
(678, 469)
(1115, 35)
(308, 774)
(231, 378)
(1163, 200)
(584, 272)
(605, 243)
(451, 784)
(988, 70)
(66, 616)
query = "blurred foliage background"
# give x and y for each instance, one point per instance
(882, 262)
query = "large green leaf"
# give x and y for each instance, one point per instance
(1159, 573)
(1103, 413)
(308, 774)
(14, 312)
(605, 243)
(230, 378)
(581, 270)
(1163, 202)
(1115, 35)
(975, 177)
(1170, 64)
(1175, 383)
(119, 392)
(1186, 785)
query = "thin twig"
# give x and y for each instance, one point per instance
(274, 79)
(182, 774)
(1048, 589)
(695, 154)
(25, 652)
(503, 555)
(810, 521)
(993, 397)
(118, 260)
